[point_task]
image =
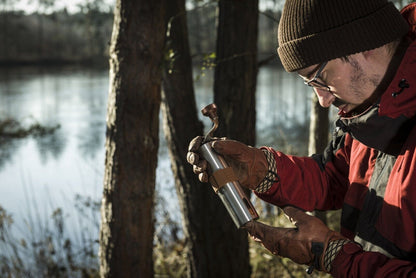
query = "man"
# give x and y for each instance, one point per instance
(358, 55)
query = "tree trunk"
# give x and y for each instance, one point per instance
(234, 94)
(318, 135)
(236, 69)
(127, 225)
(198, 202)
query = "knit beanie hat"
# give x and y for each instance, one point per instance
(314, 31)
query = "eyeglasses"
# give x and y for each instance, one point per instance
(314, 81)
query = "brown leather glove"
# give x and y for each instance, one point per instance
(249, 164)
(305, 244)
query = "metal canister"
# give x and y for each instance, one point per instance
(231, 193)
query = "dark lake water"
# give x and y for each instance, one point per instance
(40, 174)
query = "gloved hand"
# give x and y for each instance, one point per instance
(249, 164)
(305, 244)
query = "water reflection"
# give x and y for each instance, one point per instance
(7, 147)
(73, 98)
(50, 145)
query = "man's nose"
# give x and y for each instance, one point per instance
(325, 97)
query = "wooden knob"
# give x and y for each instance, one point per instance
(210, 111)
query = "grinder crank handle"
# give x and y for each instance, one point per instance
(210, 111)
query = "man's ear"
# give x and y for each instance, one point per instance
(361, 57)
(368, 54)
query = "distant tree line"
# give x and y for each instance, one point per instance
(83, 37)
(54, 38)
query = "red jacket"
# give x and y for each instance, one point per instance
(368, 170)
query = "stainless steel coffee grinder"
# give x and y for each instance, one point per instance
(223, 178)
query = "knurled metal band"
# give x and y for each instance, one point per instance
(332, 251)
(271, 176)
